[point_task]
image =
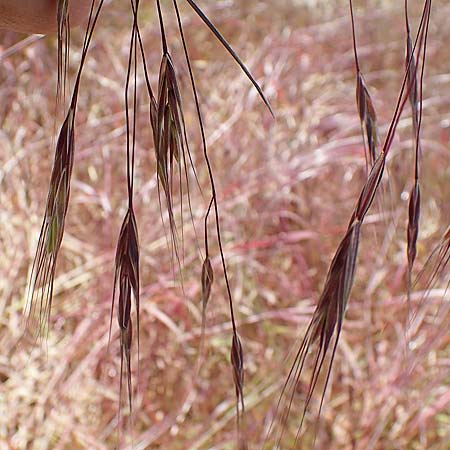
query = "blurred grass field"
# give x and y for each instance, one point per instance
(286, 191)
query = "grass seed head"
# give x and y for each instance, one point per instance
(237, 361)
(413, 223)
(207, 281)
(410, 63)
(167, 121)
(52, 230)
(63, 46)
(126, 279)
(368, 117)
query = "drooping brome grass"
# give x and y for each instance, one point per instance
(40, 291)
(439, 257)
(126, 273)
(237, 359)
(323, 332)
(173, 161)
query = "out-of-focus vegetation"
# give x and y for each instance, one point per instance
(286, 190)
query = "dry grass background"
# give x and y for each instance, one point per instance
(286, 190)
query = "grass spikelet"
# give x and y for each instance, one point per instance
(126, 273)
(237, 362)
(207, 281)
(63, 46)
(126, 282)
(172, 150)
(412, 231)
(366, 109)
(368, 118)
(410, 64)
(168, 133)
(327, 320)
(52, 230)
(40, 291)
(416, 100)
(59, 185)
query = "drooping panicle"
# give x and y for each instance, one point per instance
(236, 351)
(52, 230)
(213, 205)
(126, 274)
(40, 292)
(325, 327)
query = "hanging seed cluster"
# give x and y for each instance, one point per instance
(174, 165)
(322, 335)
(175, 168)
(40, 291)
